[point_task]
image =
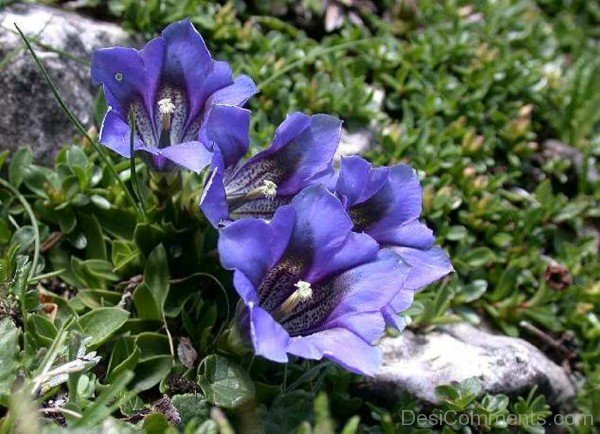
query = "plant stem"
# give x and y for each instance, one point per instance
(135, 183)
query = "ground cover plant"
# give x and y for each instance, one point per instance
(118, 311)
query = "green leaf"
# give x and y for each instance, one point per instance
(66, 220)
(191, 406)
(125, 254)
(150, 372)
(351, 426)
(23, 237)
(102, 323)
(94, 273)
(224, 383)
(156, 275)
(117, 222)
(149, 297)
(42, 328)
(19, 166)
(156, 423)
(287, 411)
(152, 344)
(148, 237)
(472, 291)
(103, 405)
(145, 305)
(479, 256)
(9, 357)
(446, 392)
(3, 156)
(128, 364)
(95, 298)
(96, 247)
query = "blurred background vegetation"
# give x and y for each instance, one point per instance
(496, 103)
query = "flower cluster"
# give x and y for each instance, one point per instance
(323, 258)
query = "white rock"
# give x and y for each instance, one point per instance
(354, 143)
(30, 115)
(418, 363)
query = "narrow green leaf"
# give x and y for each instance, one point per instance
(156, 276)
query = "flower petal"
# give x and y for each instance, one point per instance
(269, 338)
(401, 301)
(116, 135)
(396, 202)
(245, 288)
(262, 208)
(393, 320)
(154, 158)
(213, 203)
(190, 155)
(238, 93)
(253, 245)
(246, 246)
(371, 286)
(412, 234)
(341, 346)
(322, 231)
(303, 148)
(426, 266)
(357, 181)
(122, 73)
(369, 326)
(227, 127)
(187, 61)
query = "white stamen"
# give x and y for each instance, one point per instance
(304, 290)
(166, 106)
(303, 293)
(268, 190)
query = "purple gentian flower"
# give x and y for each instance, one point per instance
(169, 87)
(386, 203)
(312, 287)
(301, 155)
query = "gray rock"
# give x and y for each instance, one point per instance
(354, 143)
(30, 115)
(418, 363)
(360, 140)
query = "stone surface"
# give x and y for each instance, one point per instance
(354, 143)
(418, 363)
(30, 115)
(358, 141)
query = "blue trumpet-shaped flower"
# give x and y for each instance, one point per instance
(169, 88)
(301, 155)
(311, 287)
(386, 203)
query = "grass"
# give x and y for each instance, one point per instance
(474, 94)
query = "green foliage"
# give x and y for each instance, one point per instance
(224, 383)
(95, 333)
(9, 361)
